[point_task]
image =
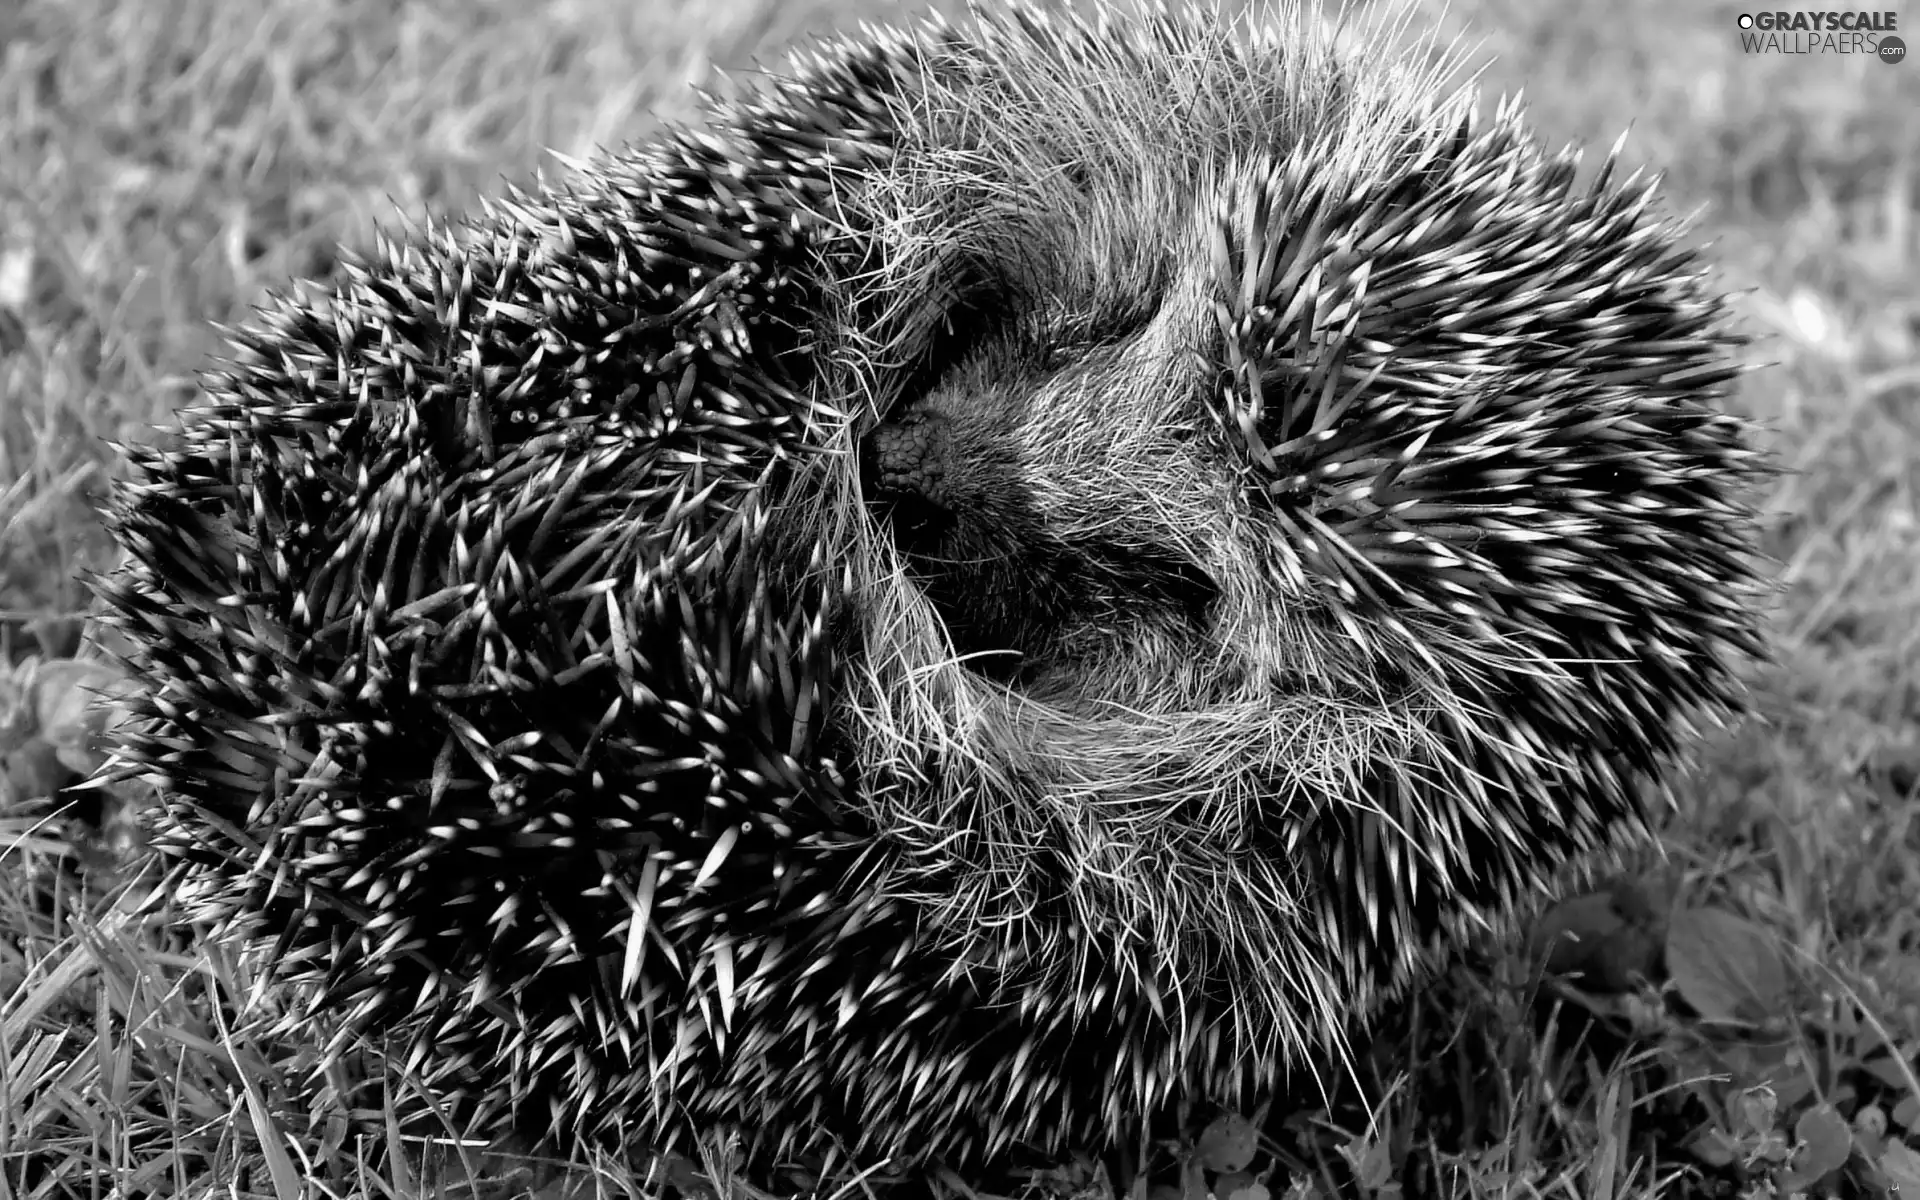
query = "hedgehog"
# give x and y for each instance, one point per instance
(1022, 575)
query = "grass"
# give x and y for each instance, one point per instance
(162, 161)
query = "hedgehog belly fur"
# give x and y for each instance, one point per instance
(1023, 575)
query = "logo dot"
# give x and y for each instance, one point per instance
(1892, 49)
(1746, 21)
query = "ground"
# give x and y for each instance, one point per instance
(163, 161)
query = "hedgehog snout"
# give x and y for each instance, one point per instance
(904, 473)
(1021, 504)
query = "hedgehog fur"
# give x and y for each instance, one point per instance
(1027, 573)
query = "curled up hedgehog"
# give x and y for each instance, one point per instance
(1028, 573)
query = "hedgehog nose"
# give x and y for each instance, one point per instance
(902, 468)
(903, 456)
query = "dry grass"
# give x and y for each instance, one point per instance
(161, 161)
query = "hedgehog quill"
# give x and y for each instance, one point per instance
(1029, 572)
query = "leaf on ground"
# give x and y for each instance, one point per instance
(1227, 1144)
(1901, 1165)
(1371, 1158)
(1825, 1141)
(1714, 1147)
(1729, 969)
(1240, 1186)
(1754, 1109)
(1606, 940)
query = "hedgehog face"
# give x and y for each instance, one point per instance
(1042, 507)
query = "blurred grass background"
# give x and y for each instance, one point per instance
(164, 161)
